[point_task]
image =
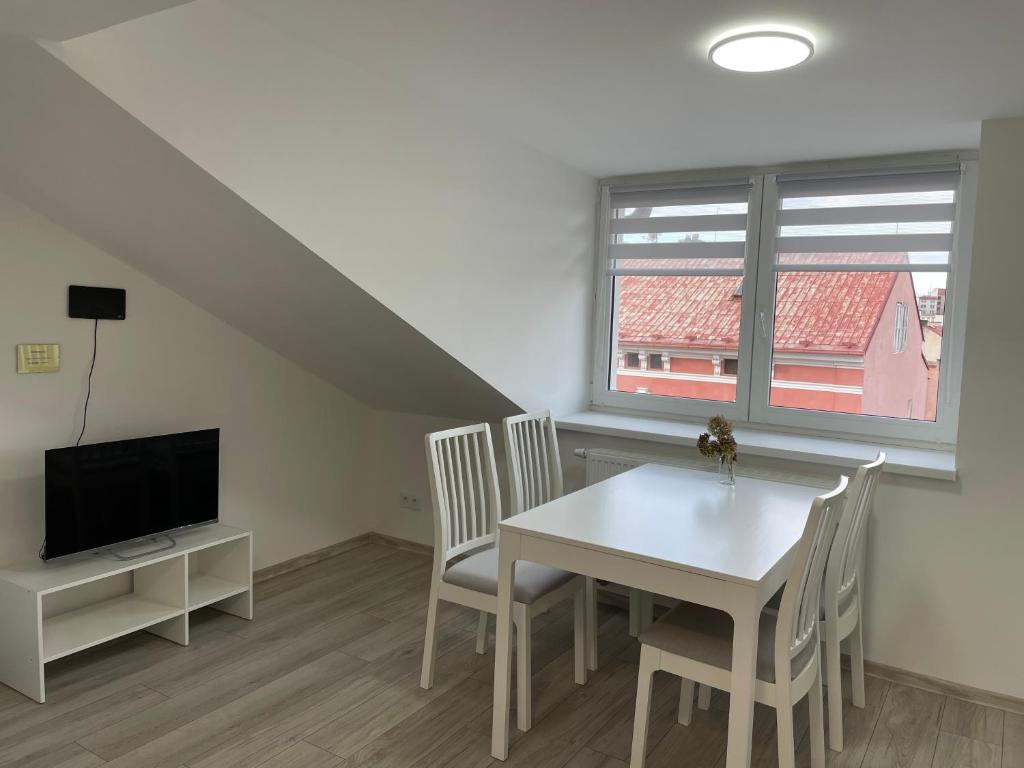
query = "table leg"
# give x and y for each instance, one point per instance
(742, 681)
(592, 625)
(508, 553)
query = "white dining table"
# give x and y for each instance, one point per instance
(671, 531)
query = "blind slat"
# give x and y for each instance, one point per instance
(867, 214)
(864, 243)
(719, 223)
(656, 198)
(938, 181)
(686, 250)
(622, 272)
(839, 267)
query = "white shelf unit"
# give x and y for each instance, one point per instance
(54, 609)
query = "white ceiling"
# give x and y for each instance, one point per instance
(617, 87)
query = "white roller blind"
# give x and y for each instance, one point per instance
(679, 231)
(894, 213)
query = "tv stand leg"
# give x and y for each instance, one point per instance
(21, 641)
(239, 605)
(175, 630)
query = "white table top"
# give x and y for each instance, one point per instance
(681, 518)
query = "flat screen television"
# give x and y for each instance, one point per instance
(110, 493)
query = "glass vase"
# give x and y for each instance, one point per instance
(726, 471)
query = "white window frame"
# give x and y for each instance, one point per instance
(605, 353)
(755, 354)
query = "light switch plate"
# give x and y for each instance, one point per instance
(38, 358)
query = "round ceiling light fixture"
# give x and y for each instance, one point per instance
(762, 49)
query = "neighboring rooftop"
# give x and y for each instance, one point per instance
(833, 312)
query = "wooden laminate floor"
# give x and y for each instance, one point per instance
(327, 677)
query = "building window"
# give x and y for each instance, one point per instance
(632, 359)
(810, 280)
(899, 334)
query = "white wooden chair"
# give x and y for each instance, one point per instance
(535, 477)
(467, 508)
(695, 643)
(841, 597)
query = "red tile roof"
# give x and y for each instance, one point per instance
(834, 312)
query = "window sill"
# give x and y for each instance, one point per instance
(901, 460)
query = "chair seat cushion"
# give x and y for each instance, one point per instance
(479, 572)
(705, 635)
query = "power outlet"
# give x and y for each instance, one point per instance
(409, 501)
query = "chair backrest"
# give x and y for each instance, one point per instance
(534, 467)
(841, 574)
(464, 491)
(798, 613)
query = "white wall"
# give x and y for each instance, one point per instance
(483, 245)
(398, 459)
(291, 444)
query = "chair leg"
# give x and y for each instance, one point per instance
(430, 641)
(685, 714)
(834, 679)
(857, 663)
(784, 730)
(591, 625)
(524, 668)
(579, 634)
(816, 725)
(642, 715)
(481, 633)
(704, 697)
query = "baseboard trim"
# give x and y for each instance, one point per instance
(405, 544)
(944, 687)
(883, 671)
(310, 558)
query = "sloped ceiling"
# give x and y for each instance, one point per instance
(482, 244)
(65, 19)
(74, 155)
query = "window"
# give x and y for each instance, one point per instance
(801, 300)
(632, 359)
(899, 337)
(671, 254)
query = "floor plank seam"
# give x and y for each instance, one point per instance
(89, 751)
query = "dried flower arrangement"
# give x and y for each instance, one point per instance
(719, 443)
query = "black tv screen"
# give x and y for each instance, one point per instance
(108, 493)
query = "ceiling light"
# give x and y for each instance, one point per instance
(762, 49)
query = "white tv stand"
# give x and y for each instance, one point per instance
(53, 609)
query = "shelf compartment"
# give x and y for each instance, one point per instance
(67, 633)
(205, 589)
(221, 576)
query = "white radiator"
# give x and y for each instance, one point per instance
(602, 464)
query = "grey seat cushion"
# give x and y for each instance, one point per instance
(705, 634)
(479, 572)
